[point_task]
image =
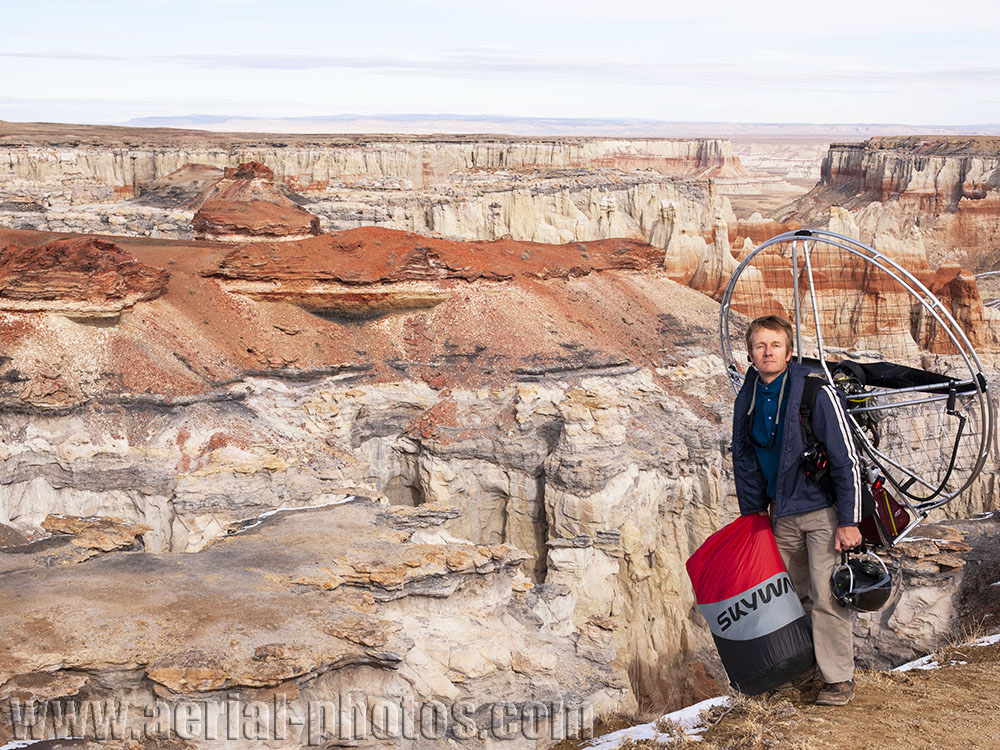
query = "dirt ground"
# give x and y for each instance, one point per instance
(954, 706)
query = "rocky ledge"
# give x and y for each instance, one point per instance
(82, 276)
(369, 271)
(569, 404)
(939, 192)
(946, 576)
(302, 609)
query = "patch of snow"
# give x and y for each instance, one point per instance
(688, 719)
(16, 744)
(988, 640)
(925, 539)
(436, 536)
(929, 662)
(267, 514)
(924, 662)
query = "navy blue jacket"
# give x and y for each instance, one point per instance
(796, 492)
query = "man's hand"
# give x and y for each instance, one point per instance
(848, 537)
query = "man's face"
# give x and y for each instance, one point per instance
(770, 353)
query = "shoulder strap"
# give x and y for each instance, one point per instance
(810, 387)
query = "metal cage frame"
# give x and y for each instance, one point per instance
(803, 242)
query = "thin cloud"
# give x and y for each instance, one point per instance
(78, 56)
(820, 72)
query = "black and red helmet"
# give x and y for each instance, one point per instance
(861, 582)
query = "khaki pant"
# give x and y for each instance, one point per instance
(806, 544)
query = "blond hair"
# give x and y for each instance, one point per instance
(771, 323)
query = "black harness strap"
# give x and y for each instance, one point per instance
(814, 457)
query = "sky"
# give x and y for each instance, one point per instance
(850, 61)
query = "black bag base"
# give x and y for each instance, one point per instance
(763, 664)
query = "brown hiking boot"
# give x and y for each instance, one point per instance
(835, 694)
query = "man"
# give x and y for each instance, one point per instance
(810, 527)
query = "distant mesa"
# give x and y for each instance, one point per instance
(246, 205)
(79, 277)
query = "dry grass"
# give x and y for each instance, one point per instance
(955, 649)
(763, 723)
(971, 630)
(873, 678)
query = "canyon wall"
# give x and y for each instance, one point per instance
(933, 173)
(557, 409)
(369, 462)
(66, 175)
(547, 190)
(557, 208)
(493, 383)
(942, 191)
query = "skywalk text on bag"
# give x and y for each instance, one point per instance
(744, 592)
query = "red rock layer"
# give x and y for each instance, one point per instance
(758, 231)
(371, 255)
(859, 303)
(225, 220)
(81, 273)
(956, 288)
(249, 170)
(554, 309)
(975, 227)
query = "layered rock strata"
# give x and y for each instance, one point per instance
(352, 602)
(554, 207)
(83, 277)
(71, 166)
(246, 205)
(862, 307)
(946, 189)
(522, 400)
(568, 404)
(368, 272)
(944, 575)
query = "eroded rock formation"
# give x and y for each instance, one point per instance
(85, 277)
(519, 399)
(943, 576)
(369, 271)
(549, 207)
(947, 187)
(552, 190)
(564, 401)
(246, 205)
(81, 165)
(301, 609)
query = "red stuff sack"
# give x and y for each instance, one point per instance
(744, 592)
(881, 528)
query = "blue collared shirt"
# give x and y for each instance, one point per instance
(767, 428)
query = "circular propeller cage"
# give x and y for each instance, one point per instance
(916, 393)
